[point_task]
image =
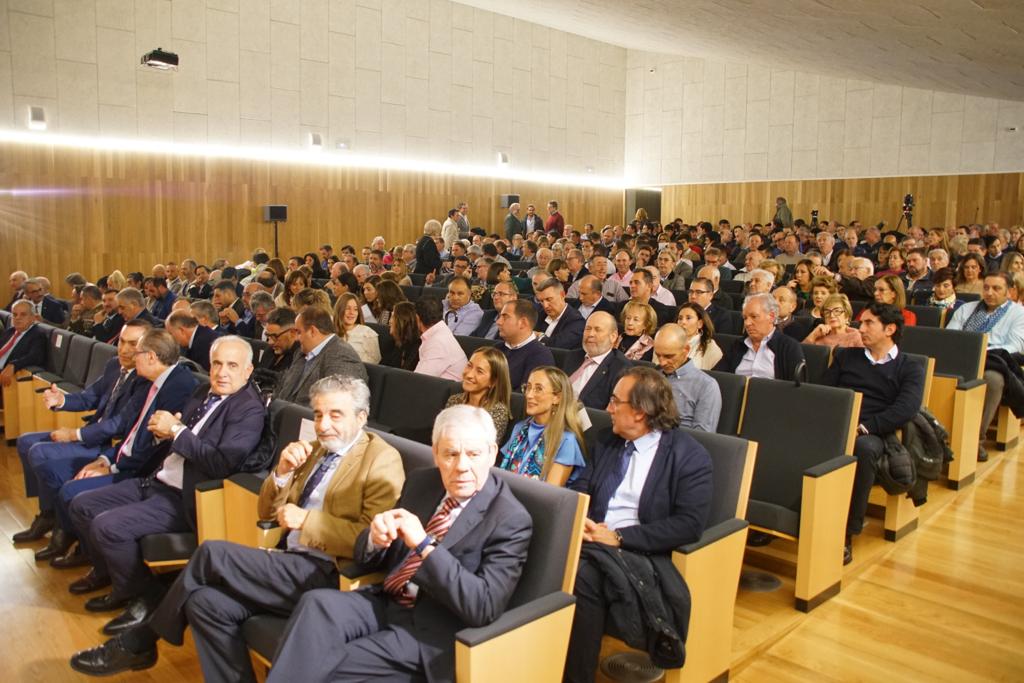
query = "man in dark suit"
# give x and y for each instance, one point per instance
(23, 344)
(200, 287)
(602, 364)
(194, 339)
(641, 287)
(44, 306)
(260, 304)
(230, 308)
(131, 305)
(453, 550)
(107, 326)
(513, 224)
(324, 354)
(428, 258)
(765, 351)
(117, 398)
(592, 298)
(321, 495)
(504, 292)
(563, 326)
(650, 492)
(156, 357)
(210, 439)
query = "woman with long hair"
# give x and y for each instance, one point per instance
(548, 444)
(369, 291)
(485, 384)
(970, 274)
(388, 294)
(704, 351)
(405, 334)
(889, 290)
(348, 322)
(803, 278)
(312, 261)
(294, 282)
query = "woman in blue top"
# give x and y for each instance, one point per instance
(549, 443)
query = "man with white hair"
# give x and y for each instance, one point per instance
(764, 352)
(860, 284)
(513, 225)
(320, 496)
(23, 344)
(452, 551)
(751, 262)
(17, 281)
(610, 289)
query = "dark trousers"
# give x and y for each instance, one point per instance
(67, 493)
(588, 624)
(112, 520)
(223, 585)
(56, 463)
(336, 636)
(25, 443)
(867, 449)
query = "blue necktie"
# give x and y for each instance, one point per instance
(606, 489)
(315, 478)
(198, 415)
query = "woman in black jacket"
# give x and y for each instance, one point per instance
(428, 259)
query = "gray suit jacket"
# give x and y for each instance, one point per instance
(336, 358)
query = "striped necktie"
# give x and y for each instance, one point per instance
(397, 582)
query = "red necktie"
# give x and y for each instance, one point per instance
(397, 581)
(10, 343)
(130, 439)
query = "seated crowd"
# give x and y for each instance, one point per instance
(647, 312)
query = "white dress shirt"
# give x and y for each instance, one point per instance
(172, 472)
(760, 363)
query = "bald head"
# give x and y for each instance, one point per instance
(671, 347)
(600, 334)
(711, 273)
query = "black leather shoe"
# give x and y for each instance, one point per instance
(982, 454)
(137, 612)
(89, 583)
(112, 658)
(847, 554)
(59, 544)
(41, 525)
(73, 558)
(106, 603)
(758, 539)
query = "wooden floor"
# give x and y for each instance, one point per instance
(946, 603)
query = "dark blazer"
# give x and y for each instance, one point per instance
(598, 389)
(199, 352)
(485, 324)
(513, 226)
(602, 304)
(427, 258)
(108, 329)
(249, 328)
(204, 291)
(220, 448)
(788, 356)
(722, 319)
(118, 415)
(722, 299)
(676, 497)
(31, 349)
(568, 333)
(336, 358)
(53, 311)
(150, 318)
(665, 313)
(144, 455)
(469, 578)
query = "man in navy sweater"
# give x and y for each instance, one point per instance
(521, 348)
(892, 386)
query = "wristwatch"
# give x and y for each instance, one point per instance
(177, 429)
(427, 541)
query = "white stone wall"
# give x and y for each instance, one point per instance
(694, 120)
(413, 79)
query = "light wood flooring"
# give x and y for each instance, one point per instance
(946, 603)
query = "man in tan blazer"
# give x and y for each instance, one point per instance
(321, 494)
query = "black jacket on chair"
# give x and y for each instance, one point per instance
(788, 356)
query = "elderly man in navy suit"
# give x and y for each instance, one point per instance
(116, 397)
(650, 492)
(452, 549)
(44, 306)
(23, 344)
(210, 439)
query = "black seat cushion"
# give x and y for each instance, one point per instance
(168, 547)
(263, 632)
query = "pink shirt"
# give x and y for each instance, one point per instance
(622, 279)
(440, 354)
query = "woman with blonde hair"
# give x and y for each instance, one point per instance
(312, 297)
(116, 281)
(485, 384)
(639, 321)
(348, 322)
(548, 444)
(835, 331)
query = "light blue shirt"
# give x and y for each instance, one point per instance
(319, 347)
(698, 398)
(1007, 334)
(624, 506)
(760, 363)
(464, 320)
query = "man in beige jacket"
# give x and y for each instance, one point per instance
(321, 494)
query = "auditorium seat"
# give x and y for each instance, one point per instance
(929, 316)
(409, 402)
(412, 292)
(20, 401)
(73, 379)
(804, 475)
(817, 359)
(262, 353)
(471, 344)
(734, 391)
(733, 286)
(958, 391)
(539, 613)
(436, 292)
(725, 340)
(171, 551)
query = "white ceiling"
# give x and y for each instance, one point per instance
(965, 46)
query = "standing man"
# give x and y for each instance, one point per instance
(450, 230)
(650, 492)
(532, 222)
(210, 439)
(555, 224)
(462, 218)
(324, 355)
(892, 387)
(698, 398)
(513, 225)
(322, 494)
(783, 215)
(452, 551)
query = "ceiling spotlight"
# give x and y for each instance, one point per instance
(502, 158)
(342, 144)
(316, 142)
(36, 118)
(160, 59)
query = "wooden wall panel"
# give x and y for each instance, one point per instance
(940, 200)
(64, 210)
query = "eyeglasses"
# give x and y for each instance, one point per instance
(528, 389)
(614, 400)
(833, 311)
(695, 292)
(141, 352)
(275, 337)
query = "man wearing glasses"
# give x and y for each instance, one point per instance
(701, 292)
(503, 293)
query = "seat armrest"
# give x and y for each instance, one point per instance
(970, 384)
(714, 533)
(516, 617)
(269, 534)
(248, 481)
(210, 485)
(829, 466)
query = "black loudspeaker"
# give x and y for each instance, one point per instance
(275, 213)
(508, 200)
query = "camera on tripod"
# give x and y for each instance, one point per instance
(814, 218)
(908, 204)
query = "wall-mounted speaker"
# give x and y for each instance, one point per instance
(508, 200)
(275, 212)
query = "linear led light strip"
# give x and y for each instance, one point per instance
(308, 157)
